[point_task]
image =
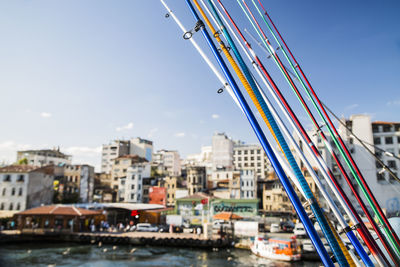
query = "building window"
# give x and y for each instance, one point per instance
(239, 152)
(245, 152)
(18, 206)
(380, 176)
(392, 164)
(375, 128)
(20, 191)
(139, 187)
(4, 191)
(7, 178)
(251, 151)
(20, 178)
(132, 196)
(133, 187)
(133, 177)
(387, 128)
(389, 140)
(11, 206)
(2, 206)
(377, 140)
(13, 191)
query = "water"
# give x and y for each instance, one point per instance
(67, 254)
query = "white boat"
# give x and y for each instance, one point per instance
(276, 249)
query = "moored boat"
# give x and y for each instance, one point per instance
(276, 249)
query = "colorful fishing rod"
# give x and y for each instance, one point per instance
(256, 97)
(355, 193)
(339, 142)
(347, 205)
(267, 148)
(352, 238)
(267, 44)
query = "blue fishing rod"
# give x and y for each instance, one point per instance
(317, 211)
(264, 143)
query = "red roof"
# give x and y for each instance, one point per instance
(385, 122)
(59, 210)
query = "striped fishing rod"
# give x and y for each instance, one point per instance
(250, 86)
(279, 63)
(266, 146)
(335, 136)
(256, 66)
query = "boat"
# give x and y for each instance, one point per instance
(276, 249)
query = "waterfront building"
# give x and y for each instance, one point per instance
(202, 207)
(74, 183)
(102, 192)
(43, 157)
(222, 152)
(196, 180)
(115, 149)
(141, 147)
(127, 174)
(25, 186)
(167, 162)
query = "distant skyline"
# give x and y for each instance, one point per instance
(78, 74)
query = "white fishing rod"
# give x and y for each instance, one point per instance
(188, 36)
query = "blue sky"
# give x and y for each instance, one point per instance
(77, 74)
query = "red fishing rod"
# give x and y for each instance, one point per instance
(385, 242)
(364, 233)
(310, 88)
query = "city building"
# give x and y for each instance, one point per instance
(251, 157)
(43, 157)
(25, 186)
(141, 147)
(102, 192)
(222, 152)
(225, 184)
(158, 195)
(115, 149)
(196, 179)
(248, 184)
(386, 137)
(168, 162)
(127, 174)
(74, 183)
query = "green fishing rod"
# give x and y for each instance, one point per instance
(334, 134)
(270, 49)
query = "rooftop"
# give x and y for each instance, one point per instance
(18, 168)
(385, 122)
(59, 210)
(55, 152)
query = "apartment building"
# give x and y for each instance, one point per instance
(115, 149)
(168, 162)
(196, 179)
(43, 157)
(222, 152)
(251, 157)
(25, 186)
(141, 147)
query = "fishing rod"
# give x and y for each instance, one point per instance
(250, 86)
(267, 44)
(266, 146)
(341, 147)
(346, 203)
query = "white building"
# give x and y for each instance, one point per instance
(222, 152)
(251, 157)
(112, 151)
(141, 147)
(44, 157)
(386, 136)
(248, 184)
(131, 186)
(25, 186)
(169, 161)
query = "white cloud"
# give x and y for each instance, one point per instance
(215, 116)
(152, 132)
(45, 115)
(180, 134)
(8, 151)
(85, 155)
(353, 106)
(393, 103)
(125, 127)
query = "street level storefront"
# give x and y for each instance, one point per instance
(202, 207)
(58, 217)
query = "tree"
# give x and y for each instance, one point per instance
(23, 161)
